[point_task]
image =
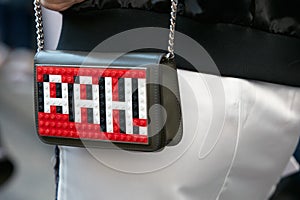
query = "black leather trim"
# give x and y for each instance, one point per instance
(103, 59)
(238, 51)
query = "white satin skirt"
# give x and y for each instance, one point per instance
(238, 136)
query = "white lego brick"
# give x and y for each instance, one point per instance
(55, 78)
(85, 80)
(143, 130)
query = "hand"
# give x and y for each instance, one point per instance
(59, 5)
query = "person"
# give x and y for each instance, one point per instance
(256, 52)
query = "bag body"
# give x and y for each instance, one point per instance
(107, 100)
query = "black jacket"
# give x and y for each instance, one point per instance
(277, 16)
(252, 39)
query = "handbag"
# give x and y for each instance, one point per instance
(125, 101)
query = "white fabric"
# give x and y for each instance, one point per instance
(291, 168)
(52, 21)
(240, 159)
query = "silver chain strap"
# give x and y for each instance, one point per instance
(40, 30)
(170, 54)
(39, 25)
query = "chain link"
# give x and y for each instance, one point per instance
(39, 25)
(170, 54)
(40, 30)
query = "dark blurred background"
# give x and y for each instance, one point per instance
(26, 165)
